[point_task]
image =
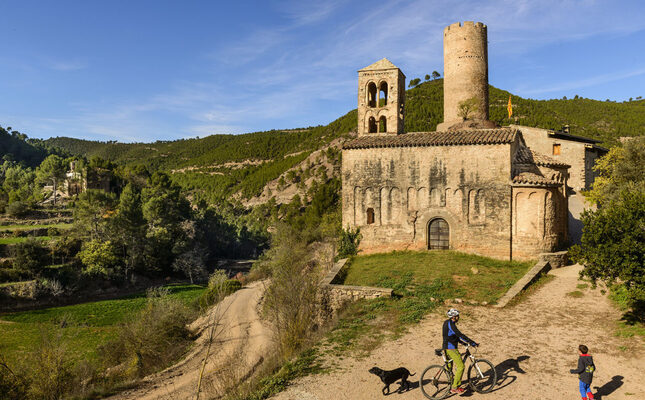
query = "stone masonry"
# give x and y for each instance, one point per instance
(470, 186)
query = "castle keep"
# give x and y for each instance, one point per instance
(470, 186)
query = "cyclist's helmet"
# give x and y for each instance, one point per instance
(452, 313)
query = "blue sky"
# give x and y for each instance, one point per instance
(163, 70)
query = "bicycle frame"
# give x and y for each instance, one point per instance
(466, 355)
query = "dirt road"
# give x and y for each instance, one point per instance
(533, 346)
(241, 340)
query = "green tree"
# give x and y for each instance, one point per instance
(414, 82)
(164, 209)
(613, 243)
(99, 258)
(467, 107)
(621, 166)
(92, 211)
(129, 228)
(52, 169)
(435, 75)
(29, 256)
(427, 77)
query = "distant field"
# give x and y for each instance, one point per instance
(408, 269)
(14, 240)
(26, 227)
(83, 326)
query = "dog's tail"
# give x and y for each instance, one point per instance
(412, 374)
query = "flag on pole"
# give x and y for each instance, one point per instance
(510, 107)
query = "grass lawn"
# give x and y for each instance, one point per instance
(456, 271)
(83, 327)
(24, 227)
(421, 281)
(14, 240)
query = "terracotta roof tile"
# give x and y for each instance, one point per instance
(447, 138)
(525, 155)
(529, 178)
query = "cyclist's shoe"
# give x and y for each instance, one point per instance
(590, 396)
(457, 390)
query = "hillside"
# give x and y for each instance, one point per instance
(218, 166)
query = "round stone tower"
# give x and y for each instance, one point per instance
(465, 58)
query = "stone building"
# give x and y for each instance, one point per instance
(470, 186)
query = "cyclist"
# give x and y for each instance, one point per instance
(451, 338)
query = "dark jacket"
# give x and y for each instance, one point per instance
(585, 368)
(452, 336)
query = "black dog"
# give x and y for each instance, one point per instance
(389, 377)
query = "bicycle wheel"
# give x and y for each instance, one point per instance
(435, 382)
(482, 376)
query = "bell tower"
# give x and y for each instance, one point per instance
(381, 99)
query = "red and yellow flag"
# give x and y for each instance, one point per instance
(510, 107)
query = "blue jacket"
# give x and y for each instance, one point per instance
(452, 336)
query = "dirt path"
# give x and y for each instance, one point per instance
(240, 340)
(533, 346)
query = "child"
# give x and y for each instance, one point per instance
(585, 372)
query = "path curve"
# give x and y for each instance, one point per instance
(533, 345)
(241, 339)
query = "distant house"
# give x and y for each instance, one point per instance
(80, 179)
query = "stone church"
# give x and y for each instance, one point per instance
(470, 186)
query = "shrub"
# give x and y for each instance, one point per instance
(153, 338)
(17, 209)
(29, 256)
(290, 298)
(13, 386)
(348, 242)
(51, 369)
(218, 288)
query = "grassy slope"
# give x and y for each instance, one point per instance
(86, 326)
(410, 269)
(421, 282)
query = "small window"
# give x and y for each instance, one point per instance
(382, 94)
(370, 216)
(371, 94)
(556, 149)
(371, 128)
(382, 124)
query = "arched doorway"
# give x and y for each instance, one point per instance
(438, 234)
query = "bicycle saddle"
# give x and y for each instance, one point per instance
(438, 352)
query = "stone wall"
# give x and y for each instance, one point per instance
(539, 221)
(370, 82)
(401, 190)
(579, 155)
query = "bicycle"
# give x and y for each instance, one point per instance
(436, 380)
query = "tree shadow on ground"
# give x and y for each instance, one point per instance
(609, 387)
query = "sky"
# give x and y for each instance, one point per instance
(141, 71)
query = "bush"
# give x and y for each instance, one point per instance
(51, 369)
(13, 386)
(348, 242)
(290, 299)
(218, 288)
(17, 209)
(29, 256)
(154, 337)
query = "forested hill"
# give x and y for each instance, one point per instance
(15, 146)
(602, 120)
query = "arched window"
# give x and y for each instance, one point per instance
(371, 94)
(371, 125)
(382, 124)
(438, 234)
(370, 216)
(382, 94)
